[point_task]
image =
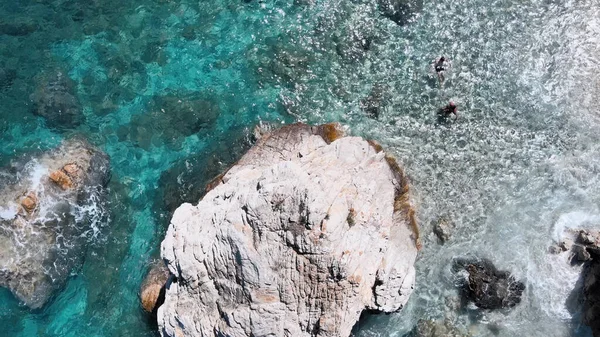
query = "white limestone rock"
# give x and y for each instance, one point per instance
(298, 238)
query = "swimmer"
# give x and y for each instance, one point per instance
(440, 66)
(448, 110)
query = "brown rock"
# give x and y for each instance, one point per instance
(152, 291)
(72, 170)
(29, 202)
(61, 179)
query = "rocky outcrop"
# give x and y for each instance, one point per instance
(152, 292)
(591, 295)
(583, 247)
(48, 205)
(486, 286)
(305, 232)
(55, 100)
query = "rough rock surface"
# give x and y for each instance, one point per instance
(298, 238)
(591, 295)
(44, 222)
(152, 290)
(488, 287)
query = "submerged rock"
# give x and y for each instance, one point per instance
(55, 100)
(305, 232)
(48, 208)
(436, 328)
(488, 287)
(373, 103)
(400, 11)
(152, 292)
(169, 119)
(186, 180)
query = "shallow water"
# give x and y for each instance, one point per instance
(520, 163)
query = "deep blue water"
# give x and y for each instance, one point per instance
(171, 91)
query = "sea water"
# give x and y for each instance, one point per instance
(518, 166)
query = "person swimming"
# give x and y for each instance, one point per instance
(440, 66)
(450, 109)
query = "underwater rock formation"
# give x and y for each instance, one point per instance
(400, 11)
(373, 103)
(186, 180)
(180, 115)
(306, 231)
(48, 205)
(55, 100)
(488, 287)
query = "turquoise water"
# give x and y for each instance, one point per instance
(172, 89)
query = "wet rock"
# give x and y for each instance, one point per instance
(152, 292)
(269, 250)
(29, 202)
(55, 100)
(486, 286)
(400, 11)
(591, 293)
(580, 253)
(566, 244)
(443, 229)
(43, 243)
(586, 238)
(61, 179)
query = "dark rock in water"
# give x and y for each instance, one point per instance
(50, 206)
(373, 103)
(152, 292)
(580, 253)
(55, 100)
(591, 293)
(281, 61)
(586, 238)
(170, 119)
(7, 77)
(355, 40)
(17, 28)
(400, 11)
(488, 287)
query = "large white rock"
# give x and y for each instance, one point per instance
(297, 239)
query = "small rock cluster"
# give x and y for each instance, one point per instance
(486, 286)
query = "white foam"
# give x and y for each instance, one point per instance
(8, 213)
